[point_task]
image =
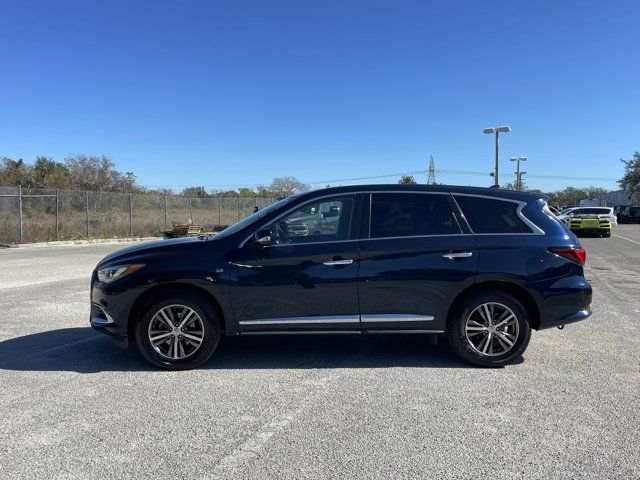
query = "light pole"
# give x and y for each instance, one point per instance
(518, 173)
(497, 131)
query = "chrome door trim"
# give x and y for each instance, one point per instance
(316, 320)
(395, 317)
(400, 330)
(301, 332)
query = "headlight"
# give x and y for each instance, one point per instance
(110, 274)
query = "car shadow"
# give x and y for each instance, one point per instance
(83, 350)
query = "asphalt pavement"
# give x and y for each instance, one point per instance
(74, 406)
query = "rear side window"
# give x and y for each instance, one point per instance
(411, 214)
(490, 215)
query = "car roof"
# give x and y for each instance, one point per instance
(489, 192)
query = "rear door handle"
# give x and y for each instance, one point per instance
(454, 255)
(334, 263)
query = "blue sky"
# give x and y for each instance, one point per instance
(235, 93)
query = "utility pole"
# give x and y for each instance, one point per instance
(496, 131)
(431, 180)
(518, 172)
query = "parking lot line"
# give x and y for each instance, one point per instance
(625, 238)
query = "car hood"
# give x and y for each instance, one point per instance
(150, 247)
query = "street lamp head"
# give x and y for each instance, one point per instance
(504, 128)
(489, 130)
(514, 159)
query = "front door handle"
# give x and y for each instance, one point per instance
(454, 255)
(335, 263)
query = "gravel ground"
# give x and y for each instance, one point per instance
(74, 406)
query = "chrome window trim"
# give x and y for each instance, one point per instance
(311, 320)
(536, 230)
(395, 317)
(416, 236)
(295, 207)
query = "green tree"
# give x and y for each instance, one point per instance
(98, 173)
(195, 192)
(407, 180)
(15, 173)
(631, 179)
(283, 187)
(48, 173)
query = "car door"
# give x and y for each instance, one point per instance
(305, 280)
(414, 260)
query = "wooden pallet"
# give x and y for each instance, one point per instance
(177, 231)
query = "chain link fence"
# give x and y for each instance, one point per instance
(40, 215)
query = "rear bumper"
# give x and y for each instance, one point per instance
(565, 300)
(573, 318)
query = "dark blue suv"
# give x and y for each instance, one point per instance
(483, 266)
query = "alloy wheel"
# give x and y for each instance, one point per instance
(492, 329)
(176, 332)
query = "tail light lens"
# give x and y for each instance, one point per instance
(576, 255)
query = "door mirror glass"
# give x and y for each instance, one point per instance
(262, 237)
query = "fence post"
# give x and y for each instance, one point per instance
(130, 215)
(86, 195)
(57, 216)
(20, 213)
(190, 212)
(165, 210)
(219, 212)
(238, 207)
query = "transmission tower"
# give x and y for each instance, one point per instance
(432, 172)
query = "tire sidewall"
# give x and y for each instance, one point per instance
(209, 322)
(458, 339)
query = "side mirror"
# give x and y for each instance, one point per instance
(262, 237)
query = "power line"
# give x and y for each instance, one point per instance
(399, 174)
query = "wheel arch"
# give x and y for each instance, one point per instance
(513, 289)
(173, 288)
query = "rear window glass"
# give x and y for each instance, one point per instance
(411, 214)
(489, 215)
(594, 211)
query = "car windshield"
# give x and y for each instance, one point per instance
(239, 225)
(566, 210)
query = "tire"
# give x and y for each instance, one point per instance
(606, 234)
(201, 323)
(498, 352)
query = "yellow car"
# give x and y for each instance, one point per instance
(590, 225)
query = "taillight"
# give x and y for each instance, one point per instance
(577, 255)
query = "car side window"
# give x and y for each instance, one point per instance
(411, 214)
(491, 215)
(325, 220)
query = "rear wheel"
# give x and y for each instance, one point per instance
(177, 331)
(489, 329)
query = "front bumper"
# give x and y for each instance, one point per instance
(110, 309)
(102, 322)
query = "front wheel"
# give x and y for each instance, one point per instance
(489, 329)
(177, 331)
